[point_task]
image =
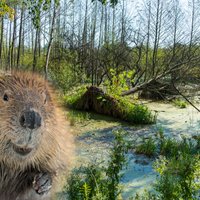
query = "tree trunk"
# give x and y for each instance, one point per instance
(50, 42)
(13, 41)
(20, 37)
(168, 71)
(155, 45)
(1, 40)
(147, 46)
(35, 50)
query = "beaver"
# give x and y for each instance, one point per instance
(35, 145)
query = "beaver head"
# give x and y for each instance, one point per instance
(27, 119)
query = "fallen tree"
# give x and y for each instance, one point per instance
(96, 100)
(157, 90)
(149, 83)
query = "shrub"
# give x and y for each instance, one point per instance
(178, 169)
(147, 195)
(118, 82)
(197, 138)
(180, 103)
(140, 114)
(170, 148)
(96, 182)
(179, 177)
(70, 99)
(148, 148)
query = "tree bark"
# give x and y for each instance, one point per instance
(20, 37)
(1, 40)
(13, 41)
(159, 76)
(35, 50)
(50, 42)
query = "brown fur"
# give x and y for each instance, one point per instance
(52, 143)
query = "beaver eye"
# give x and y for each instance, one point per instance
(5, 97)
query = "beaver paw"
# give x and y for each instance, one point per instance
(42, 183)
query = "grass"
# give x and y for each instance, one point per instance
(168, 147)
(136, 113)
(178, 167)
(180, 103)
(78, 117)
(148, 148)
(96, 182)
(70, 99)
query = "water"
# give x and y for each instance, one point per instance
(94, 145)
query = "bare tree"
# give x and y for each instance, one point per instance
(20, 36)
(50, 41)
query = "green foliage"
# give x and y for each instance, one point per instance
(35, 8)
(63, 76)
(170, 148)
(112, 2)
(76, 116)
(74, 95)
(146, 195)
(85, 190)
(178, 169)
(134, 113)
(139, 114)
(73, 189)
(116, 164)
(96, 182)
(5, 9)
(179, 173)
(27, 62)
(197, 138)
(179, 177)
(148, 148)
(167, 146)
(180, 103)
(118, 82)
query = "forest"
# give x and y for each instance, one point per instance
(128, 76)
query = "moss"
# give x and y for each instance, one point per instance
(95, 99)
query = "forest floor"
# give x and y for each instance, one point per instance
(94, 140)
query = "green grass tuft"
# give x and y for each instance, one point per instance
(95, 182)
(180, 103)
(148, 148)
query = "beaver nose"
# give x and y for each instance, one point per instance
(30, 119)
